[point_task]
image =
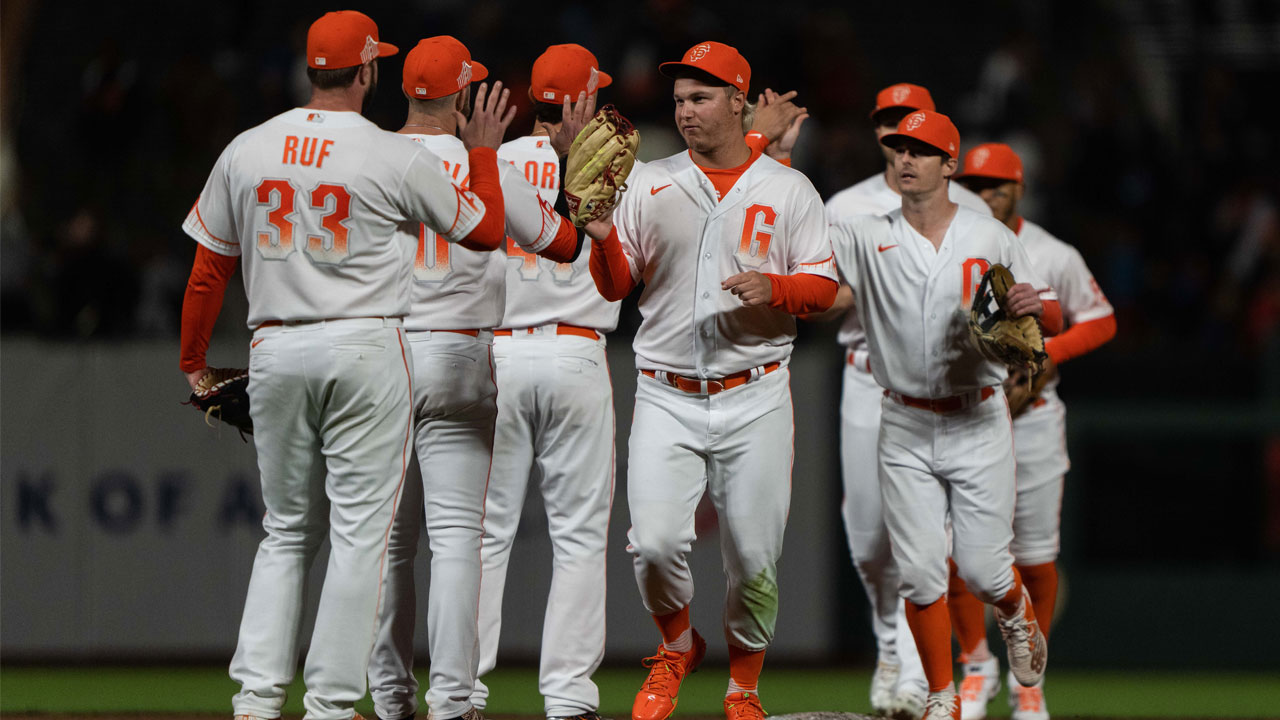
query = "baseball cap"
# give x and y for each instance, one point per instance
(439, 66)
(344, 39)
(931, 128)
(903, 95)
(566, 70)
(721, 61)
(992, 160)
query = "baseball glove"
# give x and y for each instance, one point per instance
(1014, 342)
(1023, 391)
(224, 393)
(600, 160)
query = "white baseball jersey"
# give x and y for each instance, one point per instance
(453, 288)
(914, 300)
(1062, 266)
(873, 196)
(682, 244)
(542, 291)
(329, 235)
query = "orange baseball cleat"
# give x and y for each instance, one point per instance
(667, 669)
(743, 706)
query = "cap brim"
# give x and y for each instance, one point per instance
(478, 71)
(889, 139)
(877, 111)
(983, 176)
(669, 68)
(603, 79)
(387, 49)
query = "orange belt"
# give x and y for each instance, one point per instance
(946, 404)
(710, 386)
(472, 333)
(578, 330)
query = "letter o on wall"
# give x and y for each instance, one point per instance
(116, 502)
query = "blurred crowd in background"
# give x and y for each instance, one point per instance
(1149, 130)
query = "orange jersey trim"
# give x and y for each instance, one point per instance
(204, 227)
(725, 178)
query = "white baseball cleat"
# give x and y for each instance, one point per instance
(981, 683)
(883, 682)
(1027, 703)
(1028, 649)
(908, 702)
(942, 705)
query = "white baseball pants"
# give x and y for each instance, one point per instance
(454, 412)
(1040, 444)
(738, 445)
(555, 419)
(331, 404)
(961, 460)
(863, 513)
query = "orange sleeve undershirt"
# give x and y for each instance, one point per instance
(1051, 318)
(564, 248)
(610, 269)
(758, 142)
(491, 230)
(201, 303)
(802, 292)
(1080, 339)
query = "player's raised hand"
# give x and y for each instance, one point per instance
(1022, 299)
(751, 287)
(775, 114)
(600, 228)
(489, 118)
(573, 118)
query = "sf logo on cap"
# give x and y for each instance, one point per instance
(464, 77)
(900, 93)
(980, 156)
(370, 50)
(915, 121)
(699, 52)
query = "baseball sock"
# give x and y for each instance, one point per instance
(968, 619)
(675, 630)
(931, 626)
(1042, 583)
(744, 669)
(1009, 603)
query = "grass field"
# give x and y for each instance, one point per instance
(160, 692)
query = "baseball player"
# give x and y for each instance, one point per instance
(898, 686)
(945, 437)
(555, 413)
(730, 244)
(457, 301)
(323, 198)
(994, 171)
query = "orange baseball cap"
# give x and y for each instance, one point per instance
(344, 39)
(716, 59)
(566, 70)
(439, 66)
(992, 160)
(903, 95)
(931, 128)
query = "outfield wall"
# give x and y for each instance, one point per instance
(127, 527)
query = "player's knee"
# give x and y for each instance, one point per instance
(659, 551)
(922, 585)
(988, 580)
(1034, 550)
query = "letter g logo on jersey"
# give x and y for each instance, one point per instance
(914, 121)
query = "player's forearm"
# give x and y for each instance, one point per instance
(1051, 317)
(609, 267)
(489, 233)
(566, 245)
(201, 304)
(757, 140)
(1081, 338)
(802, 292)
(534, 225)
(843, 304)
